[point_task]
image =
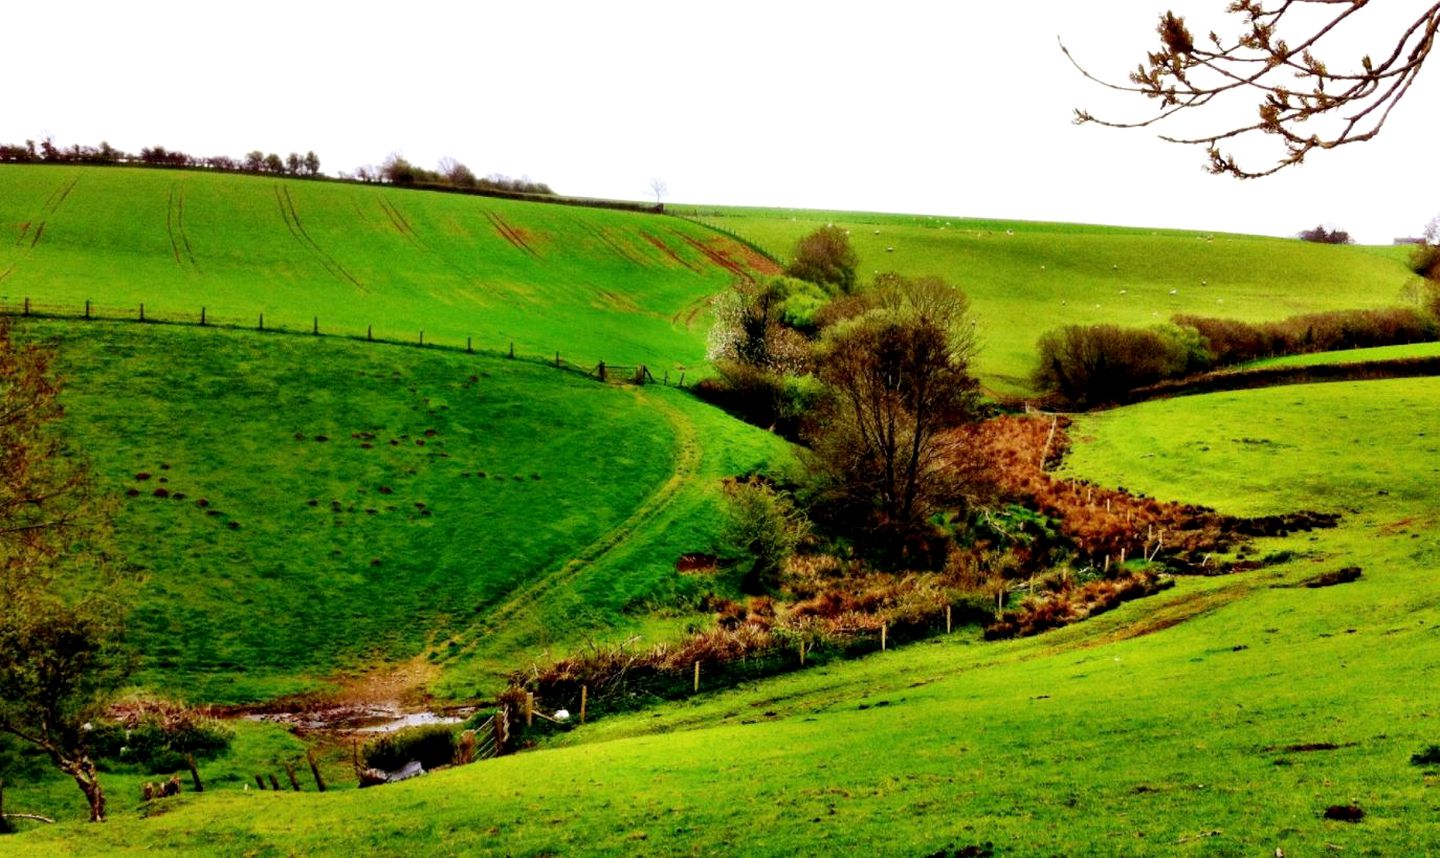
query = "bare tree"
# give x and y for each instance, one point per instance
(1275, 60)
(896, 376)
(659, 189)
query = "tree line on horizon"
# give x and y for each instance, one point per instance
(255, 161)
(395, 170)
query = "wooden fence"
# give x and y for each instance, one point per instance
(142, 313)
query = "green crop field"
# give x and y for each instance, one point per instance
(593, 284)
(1024, 278)
(330, 504)
(1220, 718)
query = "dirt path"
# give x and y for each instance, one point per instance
(525, 598)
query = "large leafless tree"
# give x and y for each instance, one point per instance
(1280, 62)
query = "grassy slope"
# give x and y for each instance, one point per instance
(519, 470)
(1415, 350)
(1163, 726)
(588, 282)
(1045, 275)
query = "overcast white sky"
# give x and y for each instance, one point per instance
(958, 108)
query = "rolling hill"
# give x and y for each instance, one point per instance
(593, 284)
(455, 515)
(1024, 278)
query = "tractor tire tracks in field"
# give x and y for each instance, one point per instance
(659, 244)
(604, 236)
(719, 259)
(297, 230)
(511, 234)
(530, 596)
(48, 210)
(175, 227)
(407, 231)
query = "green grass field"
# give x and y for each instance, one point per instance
(593, 284)
(1415, 350)
(335, 505)
(1025, 278)
(544, 510)
(1220, 718)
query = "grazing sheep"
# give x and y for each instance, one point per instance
(889, 250)
(1174, 291)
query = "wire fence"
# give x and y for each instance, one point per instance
(142, 313)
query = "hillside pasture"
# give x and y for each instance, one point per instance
(1025, 278)
(593, 284)
(300, 508)
(1221, 718)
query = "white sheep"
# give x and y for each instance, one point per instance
(1174, 291)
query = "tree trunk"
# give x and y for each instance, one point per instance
(83, 771)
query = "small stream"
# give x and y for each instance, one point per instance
(369, 718)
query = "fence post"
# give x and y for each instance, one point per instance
(27, 306)
(947, 619)
(87, 308)
(681, 382)
(529, 708)
(260, 782)
(142, 311)
(370, 333)
(600, 370)
(315, 769)
(697, 676)
(667, 378)
(262, 322)
(468, 348)
(802, 653)
(584, 698)
(512, 349)
(499, 722)
(290, 773)
(884, 630)
(315, 326)
(202, 316)
(557, 359)
(274, 782)
(422, 338)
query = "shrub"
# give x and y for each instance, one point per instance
(1096, 364)
(1321, 235)
(764, 523)
(825, 257)
(432, 745)
(158, 736)
(1232, 341)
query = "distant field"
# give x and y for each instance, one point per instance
(1416, 350)
(594, 284)
(1220, 718)
(332, 505)
(1027, 277)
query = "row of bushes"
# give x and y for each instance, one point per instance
(1094, 365)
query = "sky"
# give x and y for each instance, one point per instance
(959, 108)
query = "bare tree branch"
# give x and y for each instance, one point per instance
(1317, 108)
